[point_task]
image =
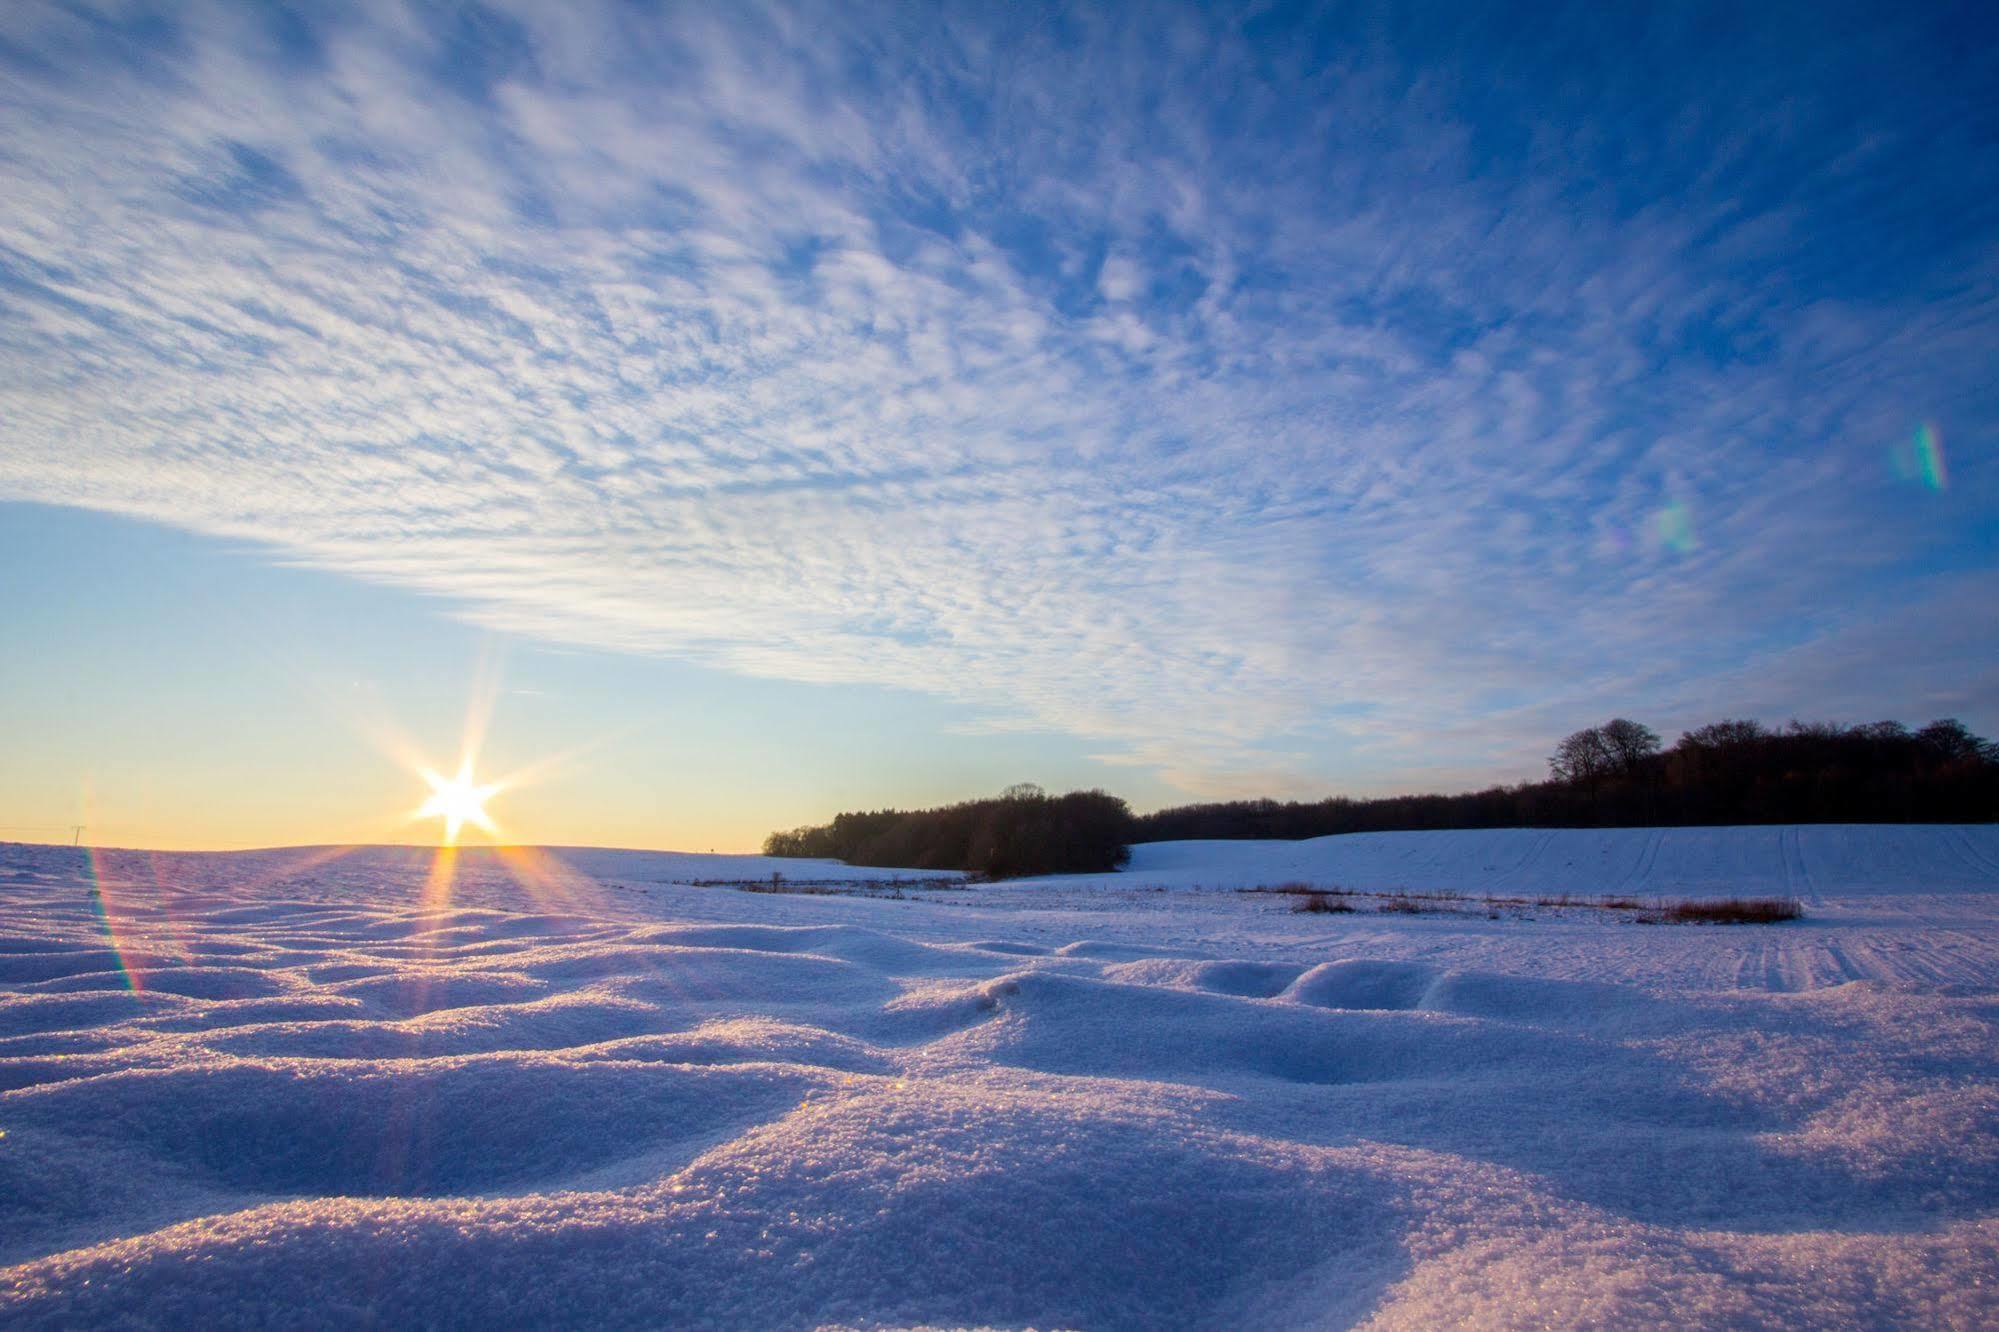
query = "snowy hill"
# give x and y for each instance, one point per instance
(567, 1088)
(1810, 861)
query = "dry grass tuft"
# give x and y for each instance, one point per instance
(1735, 911)
(1329, 899)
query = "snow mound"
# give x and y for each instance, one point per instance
(1811, 861)
(242, 1090)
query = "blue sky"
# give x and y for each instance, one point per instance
(1194, 401)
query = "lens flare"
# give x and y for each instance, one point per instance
(1675, 527)
(134, 897)
(1919, 458)
(113, 920)
(458, 801)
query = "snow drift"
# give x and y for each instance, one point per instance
(244, 1089)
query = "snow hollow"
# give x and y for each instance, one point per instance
(613, 1088)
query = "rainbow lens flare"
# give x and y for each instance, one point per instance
(1919, 458)
(1675, 528)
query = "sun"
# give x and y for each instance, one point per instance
(458, 801)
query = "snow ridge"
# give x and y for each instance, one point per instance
(242, 1090)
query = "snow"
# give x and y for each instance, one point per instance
(243, 1089)
(1811, 861)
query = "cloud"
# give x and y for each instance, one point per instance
(1265, 416)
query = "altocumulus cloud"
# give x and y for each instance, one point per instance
(1252, 392)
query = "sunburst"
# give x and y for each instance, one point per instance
(458, 801)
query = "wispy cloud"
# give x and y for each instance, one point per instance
(1263, 403)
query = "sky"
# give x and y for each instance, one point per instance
(751, 412)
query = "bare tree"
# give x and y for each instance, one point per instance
(1951, 740)
(1581, 757)
(1722, 734)
(1629, 742)
(1619, 745)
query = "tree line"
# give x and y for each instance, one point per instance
(1614, 775)
(1619, 775)
(1023, 831)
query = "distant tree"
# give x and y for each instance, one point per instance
(806, 842)
(1722, 734)
(1582, 757)
(1734, 771)
(1023, 831)
(1950, 740)
(1630, 743)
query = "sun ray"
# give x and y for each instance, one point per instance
(458, 800)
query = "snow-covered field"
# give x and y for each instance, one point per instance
(565, 1088)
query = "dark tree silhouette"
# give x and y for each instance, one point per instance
(1614, 775)
(1582, 757)
(1629, 743)
(1619, 745)
(1721, 734)
(1024, 831)
(1950, 741)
